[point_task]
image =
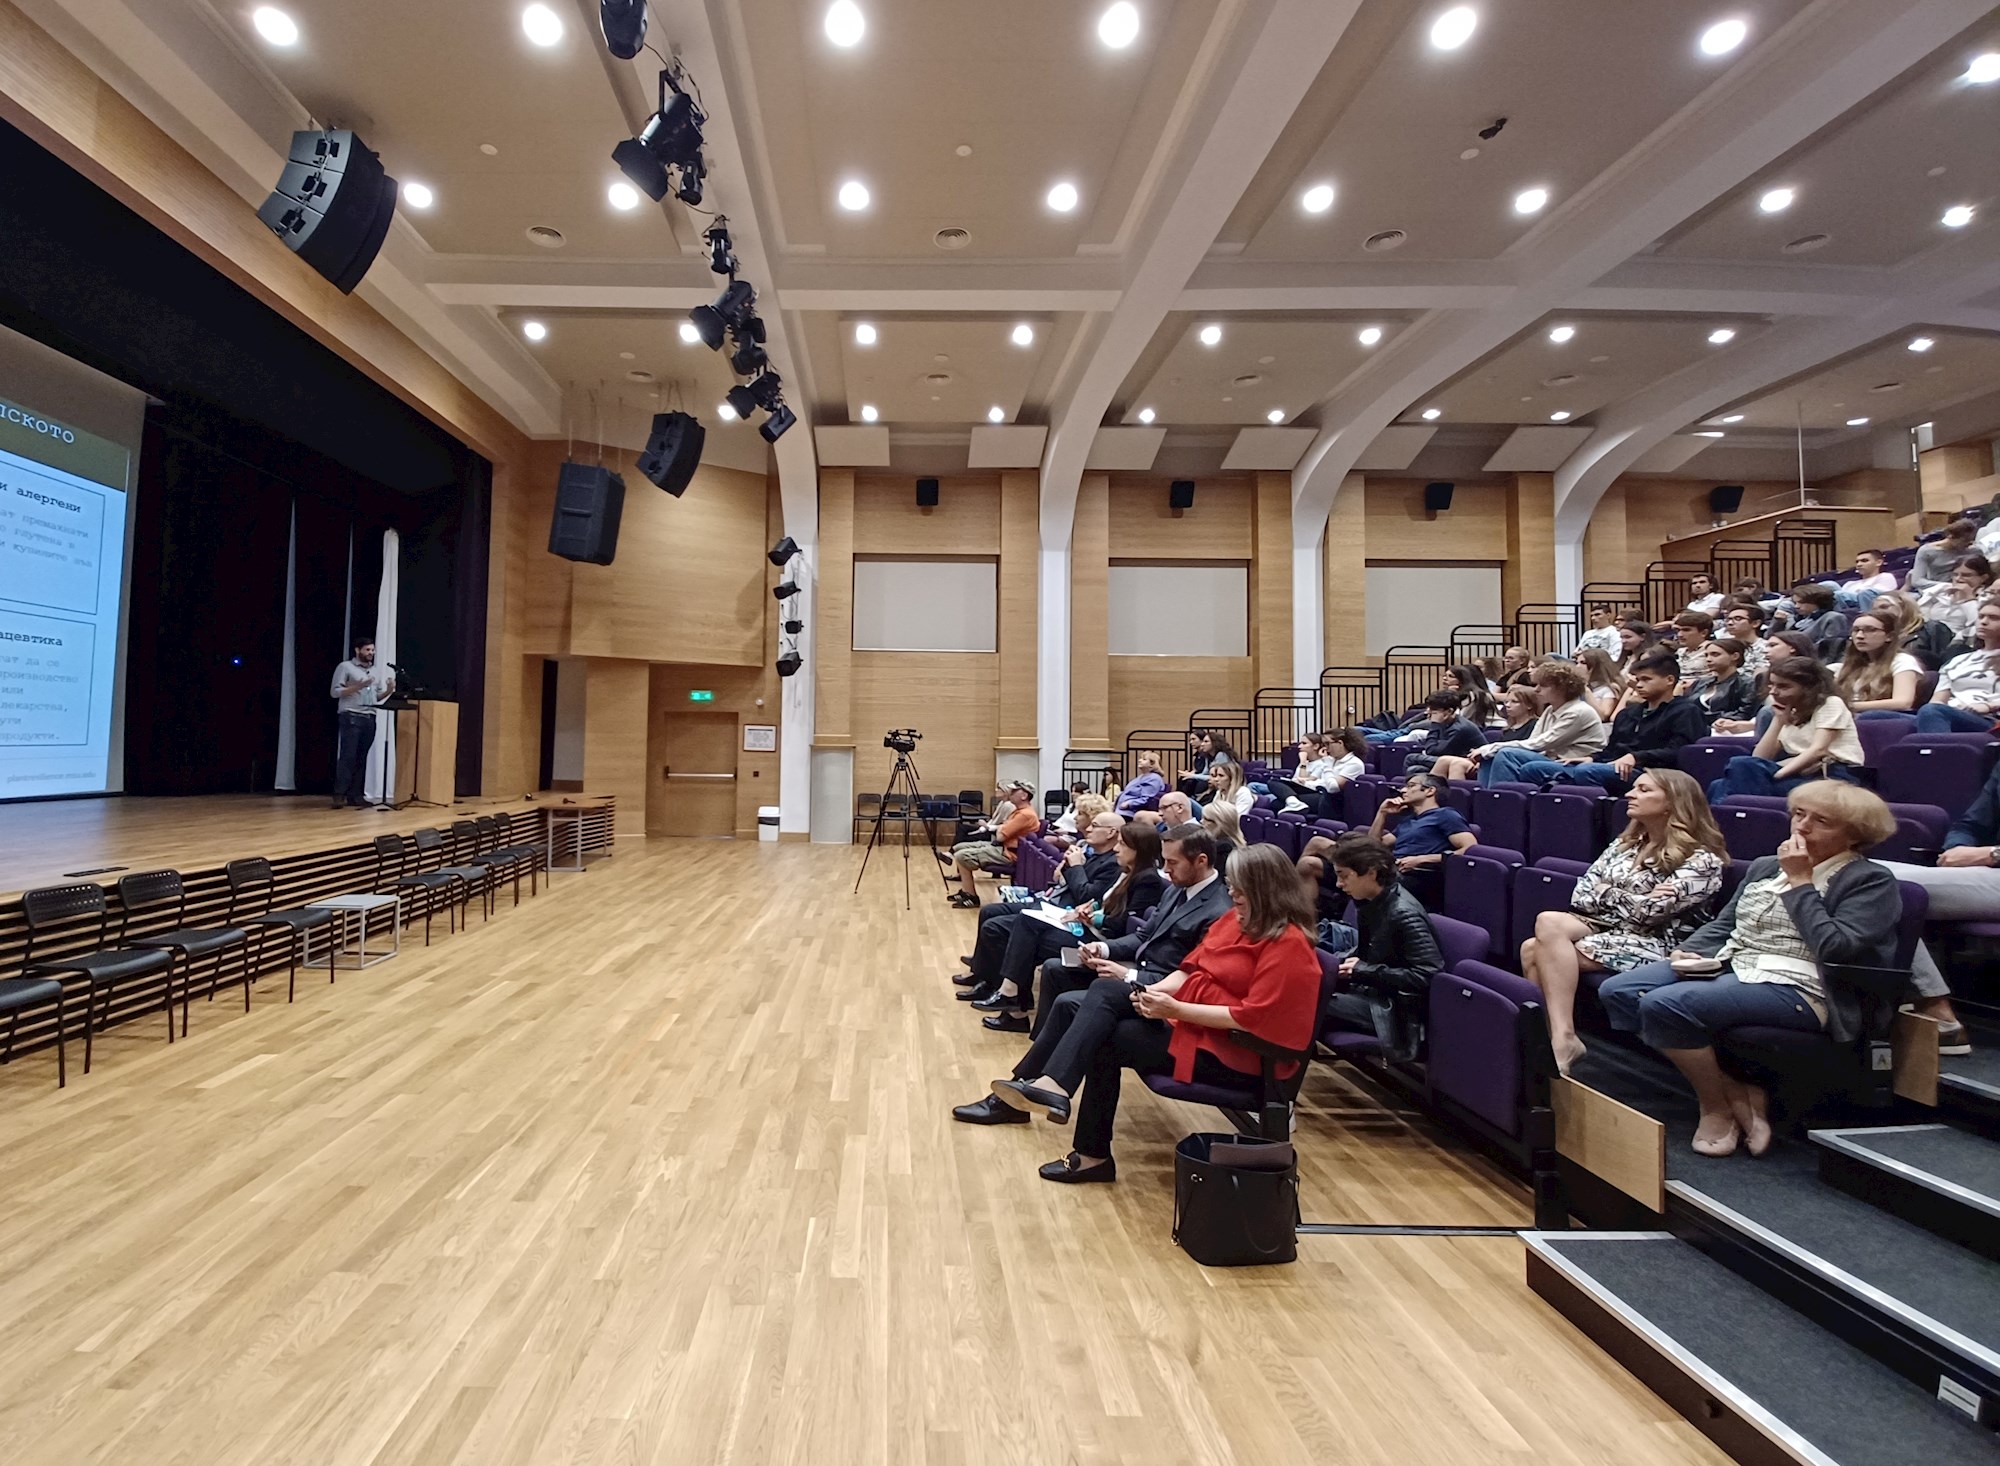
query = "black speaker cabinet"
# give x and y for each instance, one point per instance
(927, 493)
(1437, 497)
(333, 205)
(590, 500)
(1725, 498)
(1180, 494)
(673, 451)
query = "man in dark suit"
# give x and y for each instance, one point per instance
(1088, 870)
(1139, 959)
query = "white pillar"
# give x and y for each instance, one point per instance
(1569, 567)
(1052, 662)
(1308, 611)
(795, 706)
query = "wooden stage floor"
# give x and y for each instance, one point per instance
(659, 1167)
(43, 839)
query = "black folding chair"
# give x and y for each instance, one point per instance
(103, 968)
(187, 945)
(252, 889)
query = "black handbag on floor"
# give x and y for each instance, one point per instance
(1236, 1200)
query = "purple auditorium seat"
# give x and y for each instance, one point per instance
(1361, 797)
(1732, 877)
(1257, 827)
(1332, 829)
(1476, 1042)
(1269, 1107)
(1933, 771)
(1751, 831)
(1264, 801)
(1478, 890)
(1457, 795)
(1501, 812)
(1561, 866)
(1288, 833)
(1879, 733)
(1537, 889)
(1458, 941)
(1394, 756)
(1705, 759)
(1920, 832)
(1565, 823)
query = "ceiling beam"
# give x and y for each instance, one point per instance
(1831, 58)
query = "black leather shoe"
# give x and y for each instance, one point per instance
(999, 1002)
(984, 988)
(965, 959)
(989, 1111)
(1027, 1097)
(1007, 1023)
(1069, 1173)
(963, 980)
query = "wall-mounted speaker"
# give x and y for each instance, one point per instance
(590, 501)
(1725, 498)
(673, 451)
(1437, 497)
(1180, 494)
(927, 493)
(333, 205)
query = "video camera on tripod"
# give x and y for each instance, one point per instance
(902, 740)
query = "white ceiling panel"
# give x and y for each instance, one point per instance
(1669, 455)
(852, 447)
(1395, 448)
(1128, 449)
(1536, 450)
(1269, 448)
(1008, 445)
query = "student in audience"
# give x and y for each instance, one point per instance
(1937, 559)
(1395, 952)
(1817, 904)
(1225, 782)
(1725, 690)
(1603, 685)
(1426, 830)
(1692, 631)
(1254, 970)
(1649, 732)
(1515, 665)
(1147, 785)
(1089, 868)
(1874, 677)
(1478, 703)
(1967, 699)
(1203, 749)
(1447, 733)
(1955, 601)
(1602, 634)
(1746, 589)
(1777, 647)
(1175, 809)
(1225, 825)
(1810, 727)
(1568, 731)
(1082, 809)
(1964, 885)
(1326, 763)
(1744, 622)
(1520, 708)
(1814, 615)
(1032, 943)
(1013, 817)
(1927, 641)
(1703, 599)
(1638, 901)
(1634, 637)
(1870, 581)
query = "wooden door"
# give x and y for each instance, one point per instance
(693, 788)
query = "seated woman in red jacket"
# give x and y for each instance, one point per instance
(1255, 972)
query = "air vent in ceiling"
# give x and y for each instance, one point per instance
(638, 376)
(938, 379)
(1562, 381)
(1805, 244)
(953, 238)
(1887, 387)
(545, 236)
(1387, 239)
(1249, 379)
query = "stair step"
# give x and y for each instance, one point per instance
(1765, 1383)
(1944, 1179)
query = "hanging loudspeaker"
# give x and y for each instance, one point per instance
(333, 205)
(927, 493)
(1437, 498)
(1180, 494)
(590, 500)
(1725, 498)
(673, 451)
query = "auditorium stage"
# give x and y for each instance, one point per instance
(44, 842)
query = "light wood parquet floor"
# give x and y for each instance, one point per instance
(660, 1168)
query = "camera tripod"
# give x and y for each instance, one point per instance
(909, 807)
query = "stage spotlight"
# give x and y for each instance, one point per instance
(793, 628)
(740, 401)
(748, 359)
(624, 23)
(670, 139)
(789, 663)
(721, 254)
(782, 551)
(731, 309)
(784, 590)
(777, 424)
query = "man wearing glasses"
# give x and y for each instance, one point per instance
(1426, 831)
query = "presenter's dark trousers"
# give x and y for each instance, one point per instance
(350, 766)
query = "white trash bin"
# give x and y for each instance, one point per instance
(767, 823)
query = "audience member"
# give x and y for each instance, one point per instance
(1955, 601)
(1602, 634)
(1445, 732)
(1147, 785)
(1175, 809)
(1744, 622)
(1964, 885)
(1088, 869)
(1225, 825)
(1425, 830)
(1814, 615)
(1870, 580)
(1649, 732)
(1703, 599)
(1725, 690)
(1634, 638)
(1638, 901)
(1519, 710)
(1777, 646)
(1326, 763)
(1395, 952)
(1874, 677)
(1225, 782)
(1478, 703)
(1967, 699)
(1515, 665)
(1568, 731)
(1082, 809)
(1936, 560)
(1692, 630)
(1013, 817)
(1927, 641)
(1771, 959)
(1810, 726)
(1205, 748)
(1255, 971)
(1603, 685)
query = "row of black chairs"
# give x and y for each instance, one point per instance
(475, 857)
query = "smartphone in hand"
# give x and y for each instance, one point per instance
(1072, 956)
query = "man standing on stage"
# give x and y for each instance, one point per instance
(358, 687)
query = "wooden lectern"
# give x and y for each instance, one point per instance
(427, 752)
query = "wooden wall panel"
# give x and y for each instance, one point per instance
(1020, 542)
(1346, 556)
(949, 697)
(833, 609)
(887, 520)
(1530, 572)
(736, 691)
(1089, 609)
(1654, 510)
(616, 701)
(1144, 528)
(1474, 528)
(1160, 692)
(1271, 582)
(1941, 469)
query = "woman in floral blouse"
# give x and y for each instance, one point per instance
(1647, 891)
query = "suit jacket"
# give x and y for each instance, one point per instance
(1175, 929)
(1149, 888)
(1076, 885)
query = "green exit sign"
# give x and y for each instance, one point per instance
(701, 695)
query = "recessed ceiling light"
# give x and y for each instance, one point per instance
(725, 412)
(1558, 417)
(1984, 70)
(1454, 28)
(1561, 334)
(1062, 198)
(1210, 336)
(1023, 335)
(632, 355)
(868, 412)
(1776, 200)
(1369, 335)
(418, 195)
(854, 195)
(1530, 200)
(275, 26)
(1721, 336)
(690, 332)
(1857, 422)
(534, 330)
(1723, 37)
(864, 335)
(623, 196)
(1317, 199)
(1118, 27)
(845, 24)
(1710, 433)
(1957, 216)
(489, 150)
(543, 26)
(1921, 343)
(996, 414)
(1432, 414)
(1733, 417)
(1145, 414)
(1275, 415)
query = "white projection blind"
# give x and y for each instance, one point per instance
(1418, 605)
(926, 605)
(1181, 610)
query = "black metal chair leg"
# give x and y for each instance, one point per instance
(62, 1060)
(89, 1022)
(13, 1023)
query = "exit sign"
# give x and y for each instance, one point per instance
(701, 695)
